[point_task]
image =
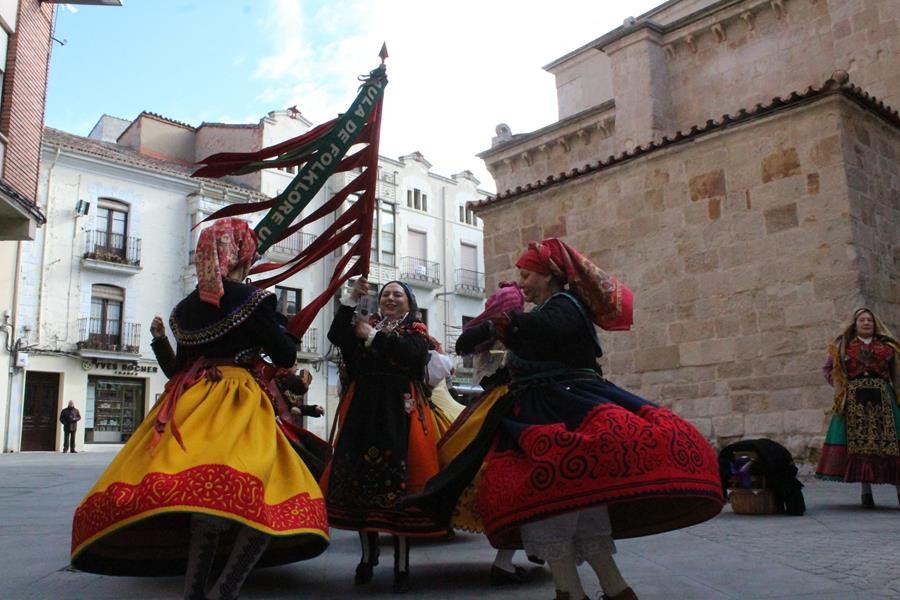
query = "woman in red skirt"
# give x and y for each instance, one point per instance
(575, 461)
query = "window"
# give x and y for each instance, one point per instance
(417, 199)
(467, 215)
(289, 300)
(105, 326)
(4, 45)
(111, 227)
(417, 243)
(383, 234)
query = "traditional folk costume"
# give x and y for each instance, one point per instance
(572, 460)
(863, 439)
(208, 476)
(385, 446)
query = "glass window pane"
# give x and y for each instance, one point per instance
(102, 217)
(113, 317)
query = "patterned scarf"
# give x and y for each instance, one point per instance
(608, 301)
(222, 247)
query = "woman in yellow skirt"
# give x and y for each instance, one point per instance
(208, 485)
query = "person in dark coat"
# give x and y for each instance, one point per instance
(772, 461)
(69, 418)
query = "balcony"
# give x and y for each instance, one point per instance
(112, 253)
(309, 344)
(111, 341)
(379, 273)
(290, 246)
(420, 272)
(469, 283)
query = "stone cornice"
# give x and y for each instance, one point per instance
(598, 121)
(837, 84)
(681, 32)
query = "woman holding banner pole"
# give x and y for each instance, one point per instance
(386, 439)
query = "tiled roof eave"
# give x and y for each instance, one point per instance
(22, 202)
(836, 85)
(149, 164)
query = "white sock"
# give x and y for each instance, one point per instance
(565, 576)
(611, 579)
(503, 560)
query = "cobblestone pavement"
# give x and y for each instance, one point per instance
(837, 551)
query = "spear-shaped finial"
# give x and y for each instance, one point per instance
(384, 53)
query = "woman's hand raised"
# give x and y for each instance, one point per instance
(360, 288)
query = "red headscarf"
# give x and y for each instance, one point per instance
(608, 301)
(223, 246)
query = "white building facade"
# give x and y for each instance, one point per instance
(118, 245)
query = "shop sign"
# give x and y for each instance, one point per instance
(119, 368)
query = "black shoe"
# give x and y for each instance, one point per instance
(868, 501)
(364, 572)
(401, 582)
(536, 560)
(626, 594)
(502, 577)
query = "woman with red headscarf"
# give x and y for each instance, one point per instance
(208, 477)
(574, 460)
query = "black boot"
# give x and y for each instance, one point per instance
(401, 564)
(205, 532)
(370, 551)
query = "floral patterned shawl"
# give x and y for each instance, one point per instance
(222, 247)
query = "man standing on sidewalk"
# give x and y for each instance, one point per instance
(69, 418)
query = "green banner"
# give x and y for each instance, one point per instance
(330, 151)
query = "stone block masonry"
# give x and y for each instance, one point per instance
(746, 251)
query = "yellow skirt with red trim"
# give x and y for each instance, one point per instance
(456, 439)
(236, 464)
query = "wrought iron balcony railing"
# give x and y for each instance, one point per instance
(293, 244)
(469, 281)
(113, 248)
(111, 336)
(420, 270)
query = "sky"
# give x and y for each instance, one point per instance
(456, 69)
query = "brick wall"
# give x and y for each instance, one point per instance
(742, 259)
(25, 89)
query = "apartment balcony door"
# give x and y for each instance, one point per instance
(39, 413)
(468, 257)
(417, 244)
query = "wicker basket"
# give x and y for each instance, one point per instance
(747, 501)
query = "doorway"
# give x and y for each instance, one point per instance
(39, 411)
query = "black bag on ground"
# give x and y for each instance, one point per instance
(776, 464)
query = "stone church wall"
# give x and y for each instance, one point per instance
(746, 249)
